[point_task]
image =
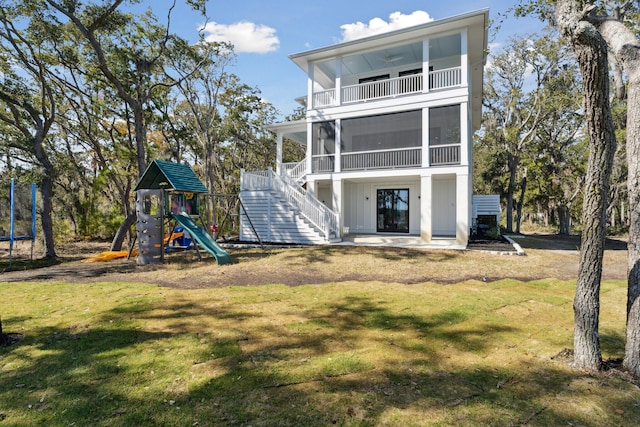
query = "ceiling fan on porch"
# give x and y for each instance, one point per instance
(390, 59)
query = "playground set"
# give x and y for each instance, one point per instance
(168, 198)
(21, 214)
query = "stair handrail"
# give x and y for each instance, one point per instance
(307, 204)
(297, 172)
(254, 180)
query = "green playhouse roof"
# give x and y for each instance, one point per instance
(161, 174)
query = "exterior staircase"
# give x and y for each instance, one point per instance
(278, 209)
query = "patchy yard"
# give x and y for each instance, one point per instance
(331, 336)
(548, 256)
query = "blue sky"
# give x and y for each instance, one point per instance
(266, 32)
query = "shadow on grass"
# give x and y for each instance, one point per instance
(28, 264)
(560, 242)
(324, 254)
(354, 362)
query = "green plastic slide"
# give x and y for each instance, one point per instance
(203, 238)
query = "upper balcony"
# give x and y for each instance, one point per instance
(388, 88)
(406, 69)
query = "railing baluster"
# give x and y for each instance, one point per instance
(439, 79)
(380, 159)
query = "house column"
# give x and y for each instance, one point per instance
(337, 189)
(310, 103)
(425, 207)
(312, 186)
(425, 138)
(279, 153)
(465, 138)
(425, 65)
(310, 136)
(338, 84)
(464, 60)
(463, 205)
(337, 150)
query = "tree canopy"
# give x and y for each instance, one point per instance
(91, 92)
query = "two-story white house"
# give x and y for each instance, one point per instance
(388, 137)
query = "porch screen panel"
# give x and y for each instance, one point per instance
(383, 132)
(444, 52)
(444, 125)
(324, 138)
(323, 146)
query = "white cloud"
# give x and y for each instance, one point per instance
(246, 37)
(397, 20)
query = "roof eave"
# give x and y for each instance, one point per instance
(302, 59)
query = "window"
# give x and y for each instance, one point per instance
(374, 79)
(184, 203)
(150, 204)
(393, 211)
(384, 132)
(410, 72)
(444, 125)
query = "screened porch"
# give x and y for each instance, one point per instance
(387, 141)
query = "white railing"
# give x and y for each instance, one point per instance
(257, 180)
(438, 79)
(442, 79)
(305, 203)
(444, 155)
(324, 98)
(296, 171)
(382, 159)
(382, 89)
(323, 163)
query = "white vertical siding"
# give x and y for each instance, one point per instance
(361, 204)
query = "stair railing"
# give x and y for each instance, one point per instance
(296, 171)
(323, 218)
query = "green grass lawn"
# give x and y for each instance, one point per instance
(350, 353)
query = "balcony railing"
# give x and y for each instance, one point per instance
(444, 155)
(382, 89)
(443, 79)
(382, 159)
(323, 163)
(324, 98)
(440, 155)
(406, 85)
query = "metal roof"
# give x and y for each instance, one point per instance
(161, 174)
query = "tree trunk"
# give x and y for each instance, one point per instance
(141, 137)
(46, 215)
(46, 191)
(632, 346)
(564, 217)
(121, 234)
(513, 168)
(209, 171)
(523, 187)
(591, 53)
(626, 47)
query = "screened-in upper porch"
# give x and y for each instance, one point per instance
(413, 68)
(386, 141)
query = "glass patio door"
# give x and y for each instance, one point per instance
(393, 211)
